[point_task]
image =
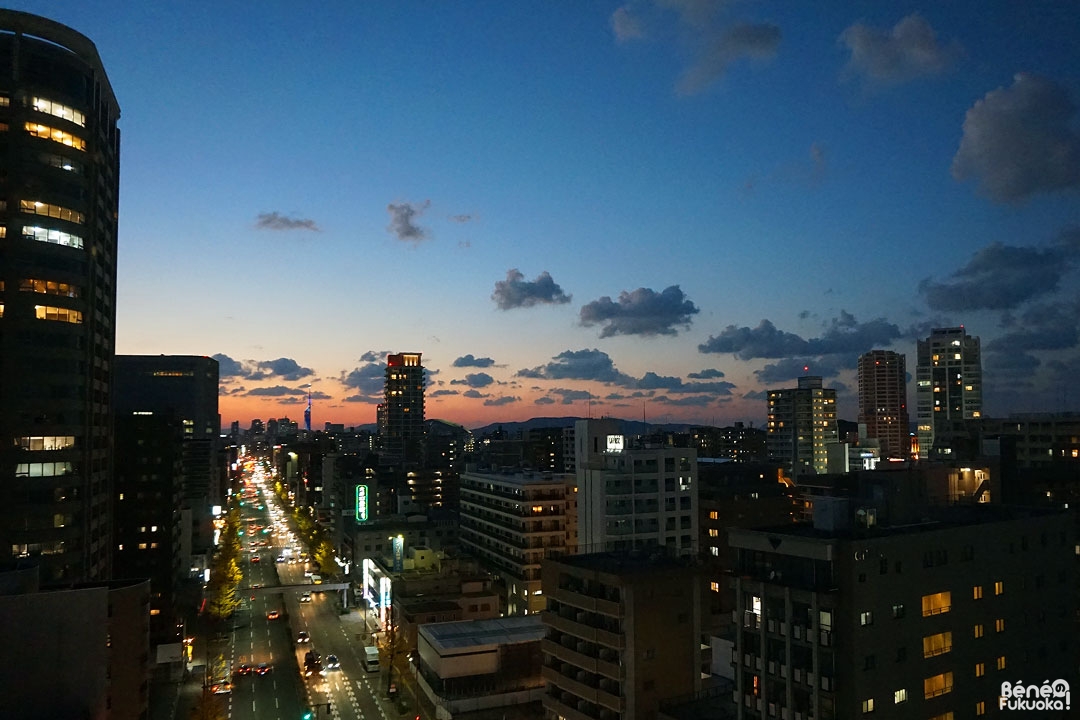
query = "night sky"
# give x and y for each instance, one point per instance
(659, 208)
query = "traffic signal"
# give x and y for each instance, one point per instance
(307, 716)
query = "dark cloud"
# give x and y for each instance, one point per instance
(403, 219)
(470, 361)
(275, 391)
(686, 401)
(844, 335)
(792, 368)
(640, 312)
(721, 48)
(474, 394)
(368, 379)
(517, 292)
(713, 42)
(228, 368)
(374, 356)
(569, 397)
(908, 51)
(500, 401)
(1020, 140)
(707, 374)
(543, 401)
(756, 395)
(284, 368)
(276, 221)
(1042, 327)
(579, 365)
(1022, 363)
(999, 277)
(475, 380)
(441, 393)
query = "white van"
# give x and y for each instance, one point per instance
(371, 659)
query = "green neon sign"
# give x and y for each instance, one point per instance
(361, 503)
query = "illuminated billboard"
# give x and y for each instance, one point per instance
(361, 503)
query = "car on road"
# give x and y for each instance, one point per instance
(303, 637)
(280, 559)
(306, 597)
(254, 558)
(221, 688)
(243, 669)
(263, 668)
(273, 615)
(332, 662)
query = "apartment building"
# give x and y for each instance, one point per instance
(846, 617)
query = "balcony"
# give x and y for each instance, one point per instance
(570, 685)
(588, 602)
(587, 662)
(561, 709)
(568, 626)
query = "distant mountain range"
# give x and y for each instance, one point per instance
(628, 427)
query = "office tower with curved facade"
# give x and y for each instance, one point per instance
(59, 187)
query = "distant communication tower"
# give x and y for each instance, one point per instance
(307, 412)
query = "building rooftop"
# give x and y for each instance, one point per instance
(626, 561)
(520, 477)
(470, 634)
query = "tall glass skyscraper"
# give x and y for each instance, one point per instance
(948, 384)
(59, 189)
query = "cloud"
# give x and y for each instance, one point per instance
(688, 401)
(284, 368)
(1020, 140)
(475, 380)
(470, 361)
(908, 51)
(543, 401)
(640, 312)
(592, 364)
(403, 218)
(441, 393)
(227, 367)
(707, 374)
(844, 335)
(999, 276)
(569, 397)
(517, 292)
(720, 48)
(368, 378)
(275, 391)
(500, 401)
(792, 368)
(756, 395)
(276, 221)
(626, 26)
(1041, 327)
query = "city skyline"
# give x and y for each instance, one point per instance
(652, 208)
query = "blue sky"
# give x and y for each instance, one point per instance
(658, 207)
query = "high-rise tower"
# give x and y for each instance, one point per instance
(948, 383)
(802, 421)
(59, 187)
(401, 416)
(883, 401)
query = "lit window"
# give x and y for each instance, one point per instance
(714, 550)
(866, 618)
(713, 532)
(714, 586)
(999, 587)
(980, 669)
(1001, 662)
(56, 237)
(48, 312)
(142, 546)
(937, 685)
(937, 644)
(979, 631)
(999, 625)
(56, 135)
(120, 546)
(868, 705)
(714, 515)
(54, 211)
(977, 592)
(980, 708)
(899, 696)
(58, 110)
(943, 716)
(898, 610)
(48, 287)
(45, 442)
(936, 603)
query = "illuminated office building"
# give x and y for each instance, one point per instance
(948, 384)
(58, 220)
(801, 426)
(883, 401)
(401, 416)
